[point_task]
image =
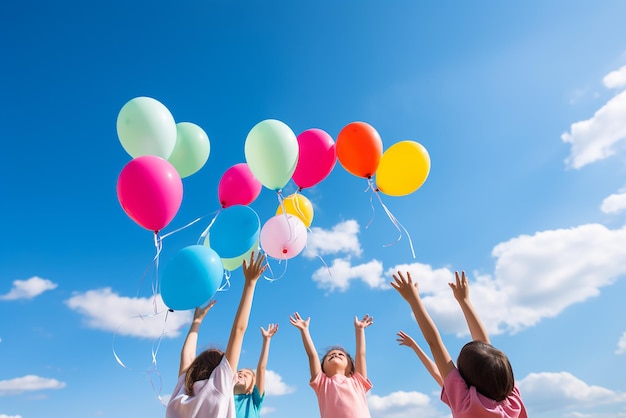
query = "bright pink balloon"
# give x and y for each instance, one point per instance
(316, 158)
(238, 186)
(150, 191)
(283, 236)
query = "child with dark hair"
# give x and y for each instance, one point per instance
(206, 382)
(482, 383)
(339, 382)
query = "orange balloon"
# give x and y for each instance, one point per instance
(359, 149)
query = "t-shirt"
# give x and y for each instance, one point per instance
(342, 396)
(467, 402)
(248, 405)
(213, 397)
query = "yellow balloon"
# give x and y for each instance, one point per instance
(299, 206)
(403, 168)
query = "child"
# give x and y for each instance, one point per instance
(250, 387)
(339, 382)
(483, 385)
(206, 382)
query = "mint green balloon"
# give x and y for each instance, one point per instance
(271, 151)
(146, 127)
(192, 149)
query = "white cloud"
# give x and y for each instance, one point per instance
(594, 139)
(10, 416)
(274, 385)
(342, 238)
(615, 79)
(341, 272)
(136, 317)
(563, 391)
(28, 383)
(535, 277)
(402, 405)
(621, 345)
(28, 289)
(614, 203)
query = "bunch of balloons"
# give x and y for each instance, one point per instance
(150, 189)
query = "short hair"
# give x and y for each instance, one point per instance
(350, 370)
(202, 367)
(487, 369)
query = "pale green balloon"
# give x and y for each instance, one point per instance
(146, 127)
(234, 263)
(271, 151)
(192, 149)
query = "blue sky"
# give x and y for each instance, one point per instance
(522, 108)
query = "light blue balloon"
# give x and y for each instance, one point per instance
(191, 277)
(234, 231)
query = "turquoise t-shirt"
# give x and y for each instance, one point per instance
(249, 406)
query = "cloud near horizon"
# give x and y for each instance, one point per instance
(28, 289)
(28, 383)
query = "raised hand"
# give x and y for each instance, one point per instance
(460, 289)
(297, 321)
(405, 286)
(200, 313)
(363, 323)
(406, 340)
(253, 269)
(271, 330)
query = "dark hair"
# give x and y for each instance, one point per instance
(348, 357)
(487, 369)
(202, 367)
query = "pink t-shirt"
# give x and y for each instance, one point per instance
(341, 396)
(466, 402)
(212, 397)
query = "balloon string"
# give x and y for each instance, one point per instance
(330, 273)
(281, 202)
(296, 203)
(153, 369)
(397, 224)
(226, 284)
(206, 230)
(183, 227)
(370, 186)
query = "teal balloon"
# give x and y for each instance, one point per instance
(146, 127)
(192, 149)
(271, 151)
(234, 231)
(191, 277)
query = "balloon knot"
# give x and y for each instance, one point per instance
(171, 310)
(284, 251)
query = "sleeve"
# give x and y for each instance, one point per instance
(257, 398)
(454, 390)
(223, 378)
(363, 381)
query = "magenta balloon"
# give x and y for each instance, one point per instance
(316, 158)
(238, 186)
(150, 191)
(283, 236)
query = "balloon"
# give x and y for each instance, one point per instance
(146, 127)
(283, 236)
(271, 151)
(191, 277)
(238, 186)
(403, 168)
(150, 191)
(233, 263)
(234, 231)
(316, 157)
(192, 149)
(298, 206)
(359, 149)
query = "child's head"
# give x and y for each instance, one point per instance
(487, 369)
(202, 367)
(337, 360)
(244, 381)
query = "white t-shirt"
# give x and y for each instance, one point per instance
(212, 397)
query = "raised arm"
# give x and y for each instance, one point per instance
(460, 290)
(407, 340)
(188, 352)
(303, 325)
(265, 350)
(360, 363)
(409, 291)
(251, 271)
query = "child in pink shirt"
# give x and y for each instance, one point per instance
(339, 382)
(483, 385)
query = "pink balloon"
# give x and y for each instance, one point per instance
(316, 158)
(150, 191)
(238, 186)
(283, 236)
